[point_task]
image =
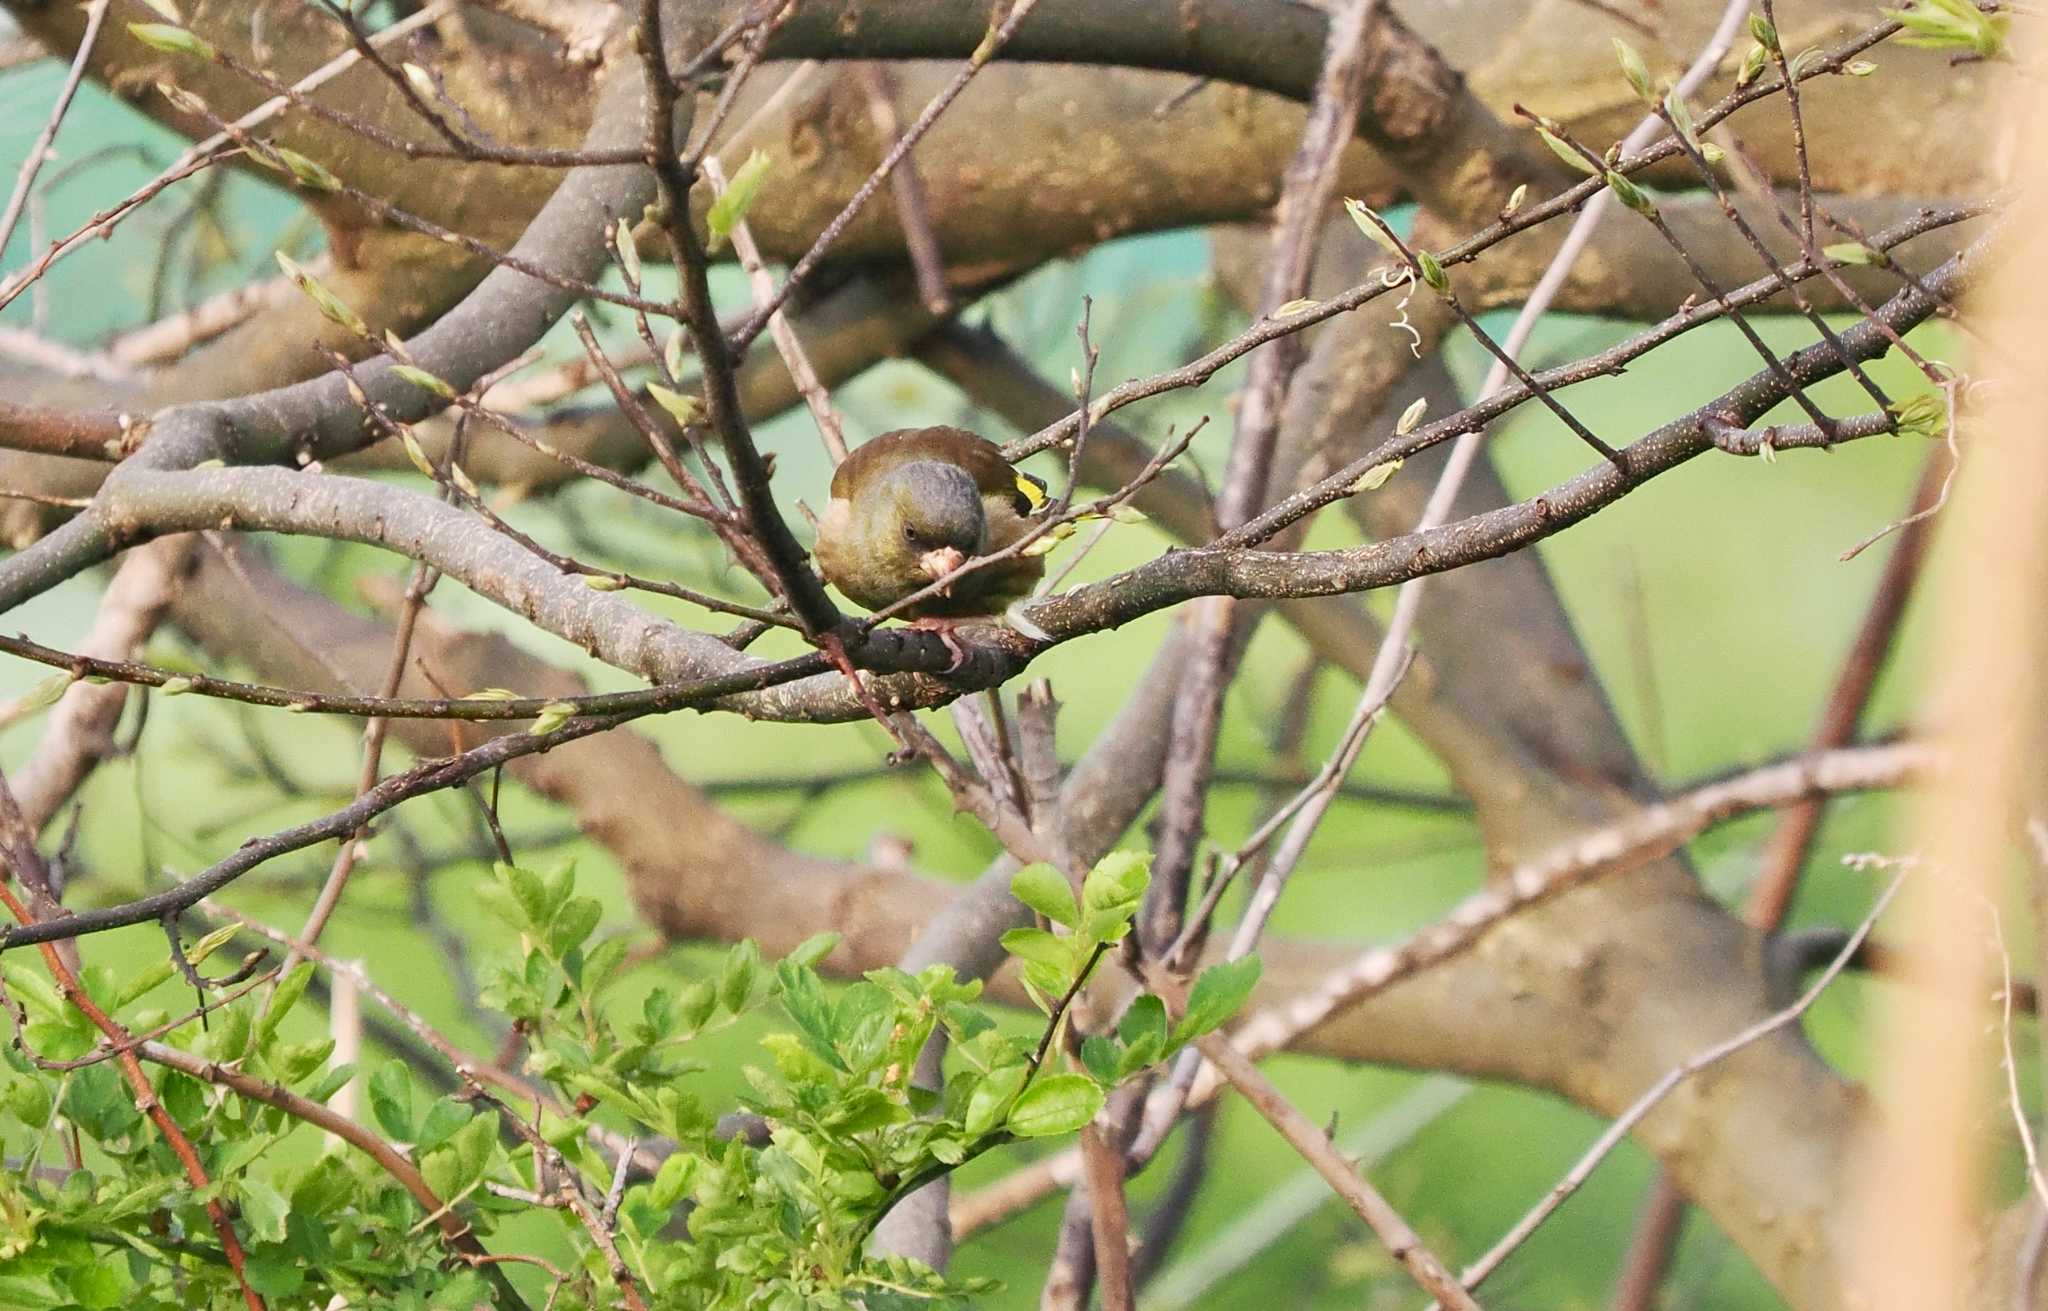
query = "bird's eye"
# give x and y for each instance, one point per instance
(910, 534)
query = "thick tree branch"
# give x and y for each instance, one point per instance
(318, 419)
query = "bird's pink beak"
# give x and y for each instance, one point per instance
(942, 561)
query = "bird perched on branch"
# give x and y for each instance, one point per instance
(914, 505)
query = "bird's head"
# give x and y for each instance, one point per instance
(938, 515)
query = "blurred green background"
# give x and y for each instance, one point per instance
(1712, 603)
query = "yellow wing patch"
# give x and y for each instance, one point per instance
(1033, 492)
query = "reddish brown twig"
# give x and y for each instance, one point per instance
(18, 846)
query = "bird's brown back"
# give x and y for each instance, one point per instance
(981, 458)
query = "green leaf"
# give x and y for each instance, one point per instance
(443, 1118)
(264, 1209)
(528, 893)
(210, 944)
(991, 1099)
(34, 990)
(683, 409)
(289, 989)
(803, 998)
(1050, 953)
(1411, 416)
(275, 1273)
(1564, 151)
(474, 1145)
(1753, 64)
(602, 961)
(28, 1101)
(425, 381)
(142, 983)
(47, 692)
(629, 252)
(864, 1110)
(693, 1009)
(1100, 1057)
(331, 1082)
(572, 923)
(814, 948)
(232, 1033)
(861, 1023)
(1111, 893)
(1432, 271)
(741, 970)
(97, 1285)
(304, 171)
(1372, 225)
(1632, 67)
(1681, 118)
(1144, 1034)
(330, 305)
(560, 883)
(1216, 996)
(1061, 1103)
(464, 1290)
(1374, 478)
(1629, 194)
(551, 717)
(1952, 25)
(391, 1100)
(296, 1062)
(1922, 415)
(1852, 252)
(1046, 891)
(730, 209)
(171, 40)
(673, 1180)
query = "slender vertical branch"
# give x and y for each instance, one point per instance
(1306, 193)
(998, 36)
(1308, 1138)
(800, 587)
(913, 210)
(39, 153)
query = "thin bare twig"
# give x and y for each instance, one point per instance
(1476, 1273)
(1308, 1138)
(913, 211)
(808, 385)
(1309, 185)
(997, 37)
(204, 153)
(39, 153)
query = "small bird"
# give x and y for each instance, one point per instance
(914, 505)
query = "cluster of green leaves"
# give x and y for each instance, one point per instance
(128, 1229)
(778, 1220)
(1056, 963)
